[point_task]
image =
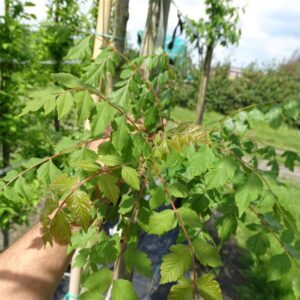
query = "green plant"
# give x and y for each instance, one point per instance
(142, 166)
(221, 28)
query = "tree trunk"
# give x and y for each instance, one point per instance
(122, 16)
(203, 85)
(151, 28)
(102, 27)
(121, 19)
(5, 234)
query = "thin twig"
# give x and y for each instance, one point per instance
(186, 234)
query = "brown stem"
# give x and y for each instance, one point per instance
(186, 234)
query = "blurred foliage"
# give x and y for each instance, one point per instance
(230, 90)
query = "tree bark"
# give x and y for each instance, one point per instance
(203, 85)
(151, 28)
(5, 234)
(102, 27)
(122, 16)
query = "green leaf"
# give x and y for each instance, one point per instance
(131, 177)
(227, 226)
(80, 50)
(274, 117)
(126, 204)
(208, 255)
(123, 290)
(296, 285)
(199, 162)
(121, 96)
(84, 105)
(189, 217)
(60, 228)
(99, 281)
(105, 114)
(108, 186)
(258, 243)
(248, 192)
(91, 295)
(181, 291)
(48, 172)
(81, 258)
(86, 165)
(105, 251)
(178, 190)
(223, 171)
(209, 288)
(290, 159)
(158, 197)
(175, 264)
(110, 160)
(161, 222)
(65, 103)
(83, 154)
(136, 259)
(79, 205)
(120, 136)
(68, 80)
(278, 266)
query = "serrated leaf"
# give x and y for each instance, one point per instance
(126, 204)
(81, 258)
(60, 228)
(84, 105)
(123, 290)
(108, 186)
(175, 264)
(83, 154)
(110, 160)
(66, 144)
(48, 172)
(65, 103)
(80, 50)
(120, 136)
(86, 165)
(221, 173)
(199, 162)
(248, 192)
(99, 281)
(278, 266)
(258, 243)
(208, 255)
(105, 251)
(158, 197)
(189, 217)
(49, 106)
(79, 205)
(68, 80)
(227, 226)
(105, 114)
(296, 285)
(290, 159)
(181, 291)
(209, 288)
(161, 222)
(178, 190)
(131, 177)
(136, 259)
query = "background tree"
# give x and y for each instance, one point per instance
(220, 28)
(64, 18)
(15, 57)
(156, 26)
